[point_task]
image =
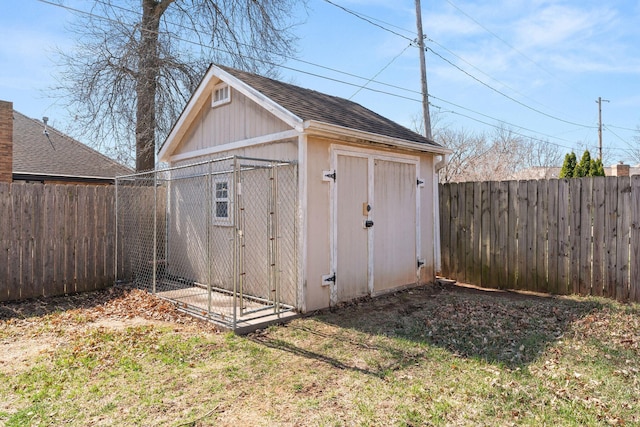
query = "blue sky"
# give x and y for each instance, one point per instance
(537, 66)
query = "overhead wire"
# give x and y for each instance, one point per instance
(360, 16)
(485, 74)
(322, 76)
(608, 128)
(507, 96)
(370, 21)
(368, 80)
(518, 51)
(381, 70)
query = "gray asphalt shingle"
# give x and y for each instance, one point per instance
(34, 154)
(312, 105)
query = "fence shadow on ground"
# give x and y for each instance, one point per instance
(502, 328)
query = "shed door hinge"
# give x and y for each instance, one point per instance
(329, 175)
(420, 182)
(328, 279)
(420, 263)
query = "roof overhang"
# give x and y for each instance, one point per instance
(200, 97)
(322, 129)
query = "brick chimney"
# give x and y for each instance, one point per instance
(6, 141)
(620, 170)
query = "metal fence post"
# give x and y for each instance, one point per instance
(275, 235)
(155, 229)
(236, 248)
(209, 223)
(115, 255)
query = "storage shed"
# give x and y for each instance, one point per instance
(354, 194)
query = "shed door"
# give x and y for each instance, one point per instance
(375, 224)
(394, 232)
(352, 254)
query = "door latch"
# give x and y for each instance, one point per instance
(368, 223)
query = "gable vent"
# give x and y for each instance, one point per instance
(221, 95)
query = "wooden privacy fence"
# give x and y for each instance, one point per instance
(55, 239)
(567, 236)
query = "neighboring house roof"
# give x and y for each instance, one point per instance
(56, 156)
(303, 109)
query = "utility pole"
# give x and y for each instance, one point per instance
(599, 101)
(423, 72)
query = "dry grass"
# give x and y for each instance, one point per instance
(448, 356)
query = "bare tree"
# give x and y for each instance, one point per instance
(465, 146)
(634, 153)
(137, 62)
(499, 156)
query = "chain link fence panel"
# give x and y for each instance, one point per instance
(218, 237)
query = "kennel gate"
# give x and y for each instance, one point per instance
(218, 237)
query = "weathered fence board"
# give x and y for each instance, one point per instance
(503, 237)
(521, 233)
(541, 237)
(622, 243)
(611, 233)
(59, 237)
(55, 239)
(5, 224)
(634, 237)
(586, 201)
(597, 264)
(512, 243)
(485, 231)
(476, 226)
(15, 252)
(563, 236)
(575, 198)
(454, 233)
(463, 233)
(469, 247)
(552, 236)
(445, 232)
(566, 236)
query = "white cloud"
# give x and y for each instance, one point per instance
(555, 26)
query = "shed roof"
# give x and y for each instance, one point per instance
(304, 109)
(33, 153)
(309, 104)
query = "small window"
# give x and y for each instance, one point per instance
(221, 95)
(221, 203)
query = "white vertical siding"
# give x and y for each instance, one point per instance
(236, 121)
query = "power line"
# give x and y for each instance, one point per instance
(506, 43)
(381, 70)
(507, 96)
(485, 74)
(410, 32)
(546, 141)
(619, 137)
(359, 16)
(370, 21)
(623, 128)
(368, 80)
(493, 118)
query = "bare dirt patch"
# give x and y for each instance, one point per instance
(29, 329)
